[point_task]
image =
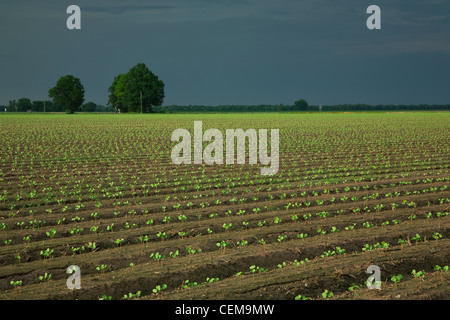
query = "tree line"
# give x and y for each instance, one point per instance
(26, 105)
(294, 108)
(135, 91)
(141, 91)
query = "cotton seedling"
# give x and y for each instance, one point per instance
(244, 225)
(418, 274)
(367, 224)
(441, 270)
(355, 287)
(119, 241)
(159, 288)
(16, 283)
(396, 279)
(130, 295)
(322, 214)
(210, 280)
(143, 238)
(157, 256)
(45, 277)
(222, 244)
(227, 226)
(416, 238)
(47, 253)
(437, 236)
(183, 234)
(242, 243)
(191, 250)
(277, 220)
(166, 219)
(328, 253)
(51, 233)
(188, 284)
(161, 235)
(255, 269)
(302, 235)
(327, 294)
(367, 247)
(76, 250)
(101, 268)
(302, 262)
(350, 227)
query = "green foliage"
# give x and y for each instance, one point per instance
(301, 105)
(69, 92)
(327, 294)
(128, 89)
(159, 288)
(89, 107)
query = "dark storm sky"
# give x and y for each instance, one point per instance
(233, 52)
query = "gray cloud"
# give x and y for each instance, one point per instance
(232, 52)
(117, 10)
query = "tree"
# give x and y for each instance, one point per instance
(301, 105)
(68, 92)
(12, 106)
(139, 85)
(89, 107)
(23, 105)
(116, 93)
(37, 106)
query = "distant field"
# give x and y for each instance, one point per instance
(101, 192)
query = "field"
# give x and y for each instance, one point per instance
(101, 192)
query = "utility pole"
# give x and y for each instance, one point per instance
(141, 101)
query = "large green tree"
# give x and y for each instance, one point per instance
(68, 92)
(116, 98)
(24, 104)
(301, 105)
(139, 87)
